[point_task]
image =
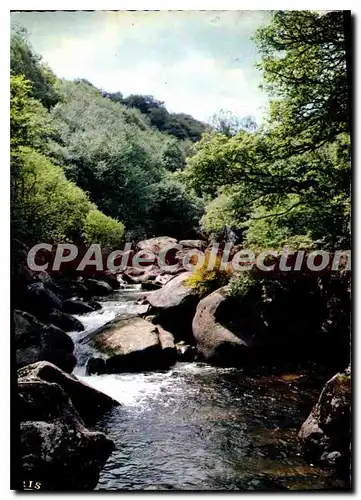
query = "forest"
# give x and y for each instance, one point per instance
(93, 166)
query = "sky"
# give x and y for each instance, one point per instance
(197, 62)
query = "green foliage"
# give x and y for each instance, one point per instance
(288, 182)
(179, 125)
(108, 150)
(174, 154)
(219, 214)
(184, 126)
(29, 122)
(24, 61)
(113, 153)
(173, 210)
(204, 281)
(220, 161)
(229, 124)
(98, 228)
(304, 69)
(243, 284)
(108, 145)
(45, 205)
(228, 209)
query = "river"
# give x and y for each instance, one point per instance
(197, 427)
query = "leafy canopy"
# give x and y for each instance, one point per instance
(288, 181)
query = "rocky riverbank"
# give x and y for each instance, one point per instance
(58, 411)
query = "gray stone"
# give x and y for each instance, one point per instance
(328, 426)
(65, 321)
(98, 287)
(90, 403)
(133, 346)
(55, 446)
(216, 343)
(76, 307)
(96, 366)
(35, 341)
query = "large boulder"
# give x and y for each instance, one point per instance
(56, 449)
(185, 257)
(175, 305)
(98, 287)
(96, 366)
(133, 346)
(156, 244)
(175, 295)
(110, 278)
(198, 244)
(188, 254)
(186, 352)
(71, 306)
(39, 299)
(326, 434)
(136, 276)
(167, 343)
(90, 403)
(35, 341)
(216, 343)
(258, 329)
(131, 274)
(65, 321)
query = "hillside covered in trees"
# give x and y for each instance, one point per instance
(89, 165)
(92, 166)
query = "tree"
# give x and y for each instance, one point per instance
(304, 69)
(229, 124)
(30, 124)
(98, 228)
(175, 152)
(173, 211)
(113, 153)
(142, 102)
(184, 126)
(45, 205)
(299, 162)
(114, 96)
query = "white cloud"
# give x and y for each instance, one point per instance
(174, 56)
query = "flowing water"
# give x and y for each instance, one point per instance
(196, 427)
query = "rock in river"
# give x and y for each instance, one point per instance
(215, 342)
(156, 244)
(327, 429)
(96, 366)
(186, 352)
(167, 343)
(56, 449)
(133, 345)
(198, 244)
(65, 321)
(71, 306)
(175, 305)
(38, 299)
